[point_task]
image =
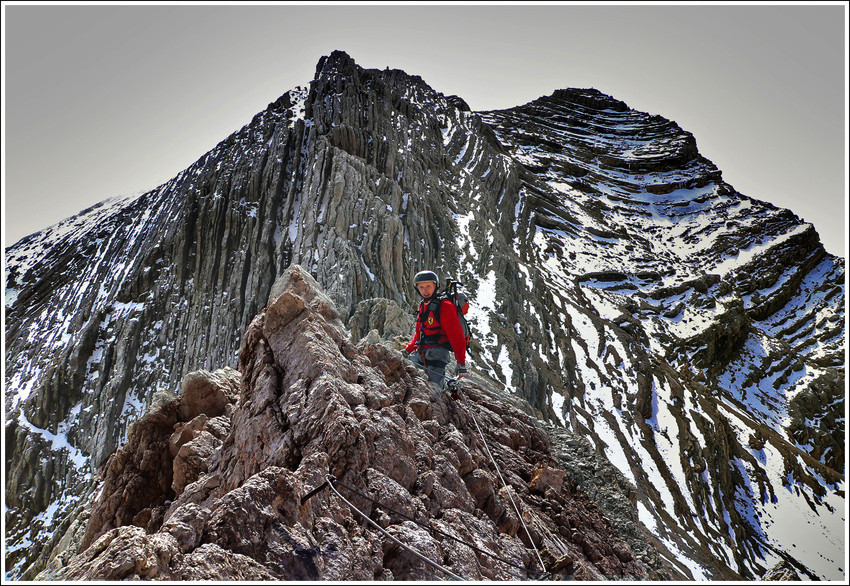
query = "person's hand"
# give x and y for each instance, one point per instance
(460, 371)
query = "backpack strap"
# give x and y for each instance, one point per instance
(432, 307)
(435, 306)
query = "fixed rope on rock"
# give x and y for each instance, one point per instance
(430, 528)
(508, 490)
(327, 482)
(331, 480)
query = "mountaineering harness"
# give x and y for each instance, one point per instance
(433, 339)
(331, 481)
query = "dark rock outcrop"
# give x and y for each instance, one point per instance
(310, 404)
(619, 287)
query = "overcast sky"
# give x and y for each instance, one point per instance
(104, 100)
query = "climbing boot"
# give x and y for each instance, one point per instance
(452, 388)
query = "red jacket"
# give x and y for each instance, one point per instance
(437, 333)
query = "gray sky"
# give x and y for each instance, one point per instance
(104, 100)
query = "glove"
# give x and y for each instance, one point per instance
(460, 371)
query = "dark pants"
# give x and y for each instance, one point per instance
(436, 360)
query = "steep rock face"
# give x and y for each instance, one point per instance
(695, 336)
(312, 404)
(723, 315)
(347, 178)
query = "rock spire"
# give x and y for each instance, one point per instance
(211, 483)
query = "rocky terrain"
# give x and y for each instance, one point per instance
(211, 483)
(645, 313)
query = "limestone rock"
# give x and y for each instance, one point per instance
(314, 404)
(386, 318)
(125, 553)
(163, 454)
(545, 478)
(781, 572)
(620, 288)
(208, 393)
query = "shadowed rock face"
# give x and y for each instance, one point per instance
(639, 304)
(311, 403)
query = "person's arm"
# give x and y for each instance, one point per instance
(454, 331)
(412, 346)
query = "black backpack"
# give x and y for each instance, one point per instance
(461, 303)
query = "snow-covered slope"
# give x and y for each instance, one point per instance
(735, 305)
(694, 334)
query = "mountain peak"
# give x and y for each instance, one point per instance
(591, 98)
(621, 294)
(335, 62)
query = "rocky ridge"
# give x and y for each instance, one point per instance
(211, 484)
(726, 313)
(694, 336)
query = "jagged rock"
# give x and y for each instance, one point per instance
(210, 562)
(815, 416)
(781, 572)
(619, 287)
(757, 441)
(125, 553)
(190, 460)
(546, 478)
(385, 318)
(205, 393)
(186, 526)
(163, 454)
(294, 424)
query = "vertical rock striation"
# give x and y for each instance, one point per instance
(312, 404)
(619, 286)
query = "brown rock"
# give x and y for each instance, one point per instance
(422, 409)
(136, 477)
(125, 553)
(211, 562)
(622, 552)
(363, 188)
(546, 477)
(480, 486)
(192, 460)
(207, 393)
(186, 432)
(562, 564)
(311, 404)
(186, 525)
(782, 572)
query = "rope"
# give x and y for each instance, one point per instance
(430, 528)
(508, 490)
(331, 480)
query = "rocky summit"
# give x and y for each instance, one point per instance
(674, 348)
(218, 482)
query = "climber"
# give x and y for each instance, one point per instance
(438, 332)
